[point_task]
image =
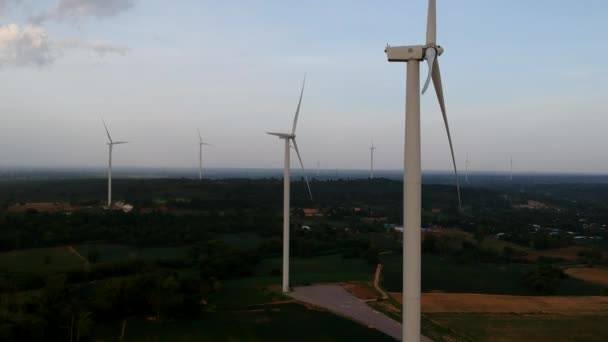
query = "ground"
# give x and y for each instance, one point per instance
(593, 275)
(337, 300)
(285, 322)
(524, 327)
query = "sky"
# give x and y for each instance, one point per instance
(522, 78)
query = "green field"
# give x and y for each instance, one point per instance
(39, 260)
(289, 322)
(242, 240)
(321, 269)
(113, 252)
(492, 327)
(244, 292)
(448, 275)
(59, 259)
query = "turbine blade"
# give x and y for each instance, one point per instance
(295, 119)
(106, 127)
(431, 29)
(295, 147)
(200, 138)
(439, 90)
(431, 56)
(120, 142)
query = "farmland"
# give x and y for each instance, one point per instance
(438, 274)
(593, 275)
(524, 327)
(270, 323)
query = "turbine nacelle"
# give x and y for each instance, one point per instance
(282, 135)
(410, 53)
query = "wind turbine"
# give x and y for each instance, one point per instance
(511, 169)
(466, 174)
(413, 56)
(200, 155)
(111, 144)
(371, 172)
(289, 138)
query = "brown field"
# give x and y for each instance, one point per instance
(593, 275)
(495, 304)
(359, 290)
(566, 253)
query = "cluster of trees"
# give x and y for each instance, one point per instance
(545, 279)
(468, 250)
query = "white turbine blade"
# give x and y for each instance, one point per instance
(295, 119)
(205, 144)
(120, 142)
(439, 89)
(281, 135)
(295, 147)
(431, 56)
(200, 138)
(431, 29)
(107, 132)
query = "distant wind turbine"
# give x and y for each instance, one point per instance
(511, 169)
(200, 155)
(466, 174)
(111, 144)
(290, 138)
(371, 172)
(413, 56)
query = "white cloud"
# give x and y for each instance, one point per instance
(100, 48)
(78, 10)
(29, 45)
(24, 45)
(4, 4)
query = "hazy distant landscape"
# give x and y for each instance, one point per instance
(211, 251)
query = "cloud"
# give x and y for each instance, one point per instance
(5, 6)
(29, 45)
(78, 10)
(24, 46)
(100, 48)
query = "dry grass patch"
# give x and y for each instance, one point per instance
(481, 303)
(359, 290)
(593, 275)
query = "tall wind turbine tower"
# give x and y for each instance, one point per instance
(289, 138)
(466, 174)
(511, 169)
(413, 56)
(200, 155)
(371, 170)
(111, 144)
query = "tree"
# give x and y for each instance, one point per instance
(544, 279)
(93, 256)
(83, 324)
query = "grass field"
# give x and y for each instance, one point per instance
(513, 327)
(39, 260)
(57, 259)
(241, 240)
(244, 292)
(289, 322)
(447, 275)
(321, 269)
(113, 252)
(480, 303)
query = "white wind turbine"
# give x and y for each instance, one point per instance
(371, 171)
(466, 173)
(413, 56)
(111, 144)
(289, 138)
(200, 155)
